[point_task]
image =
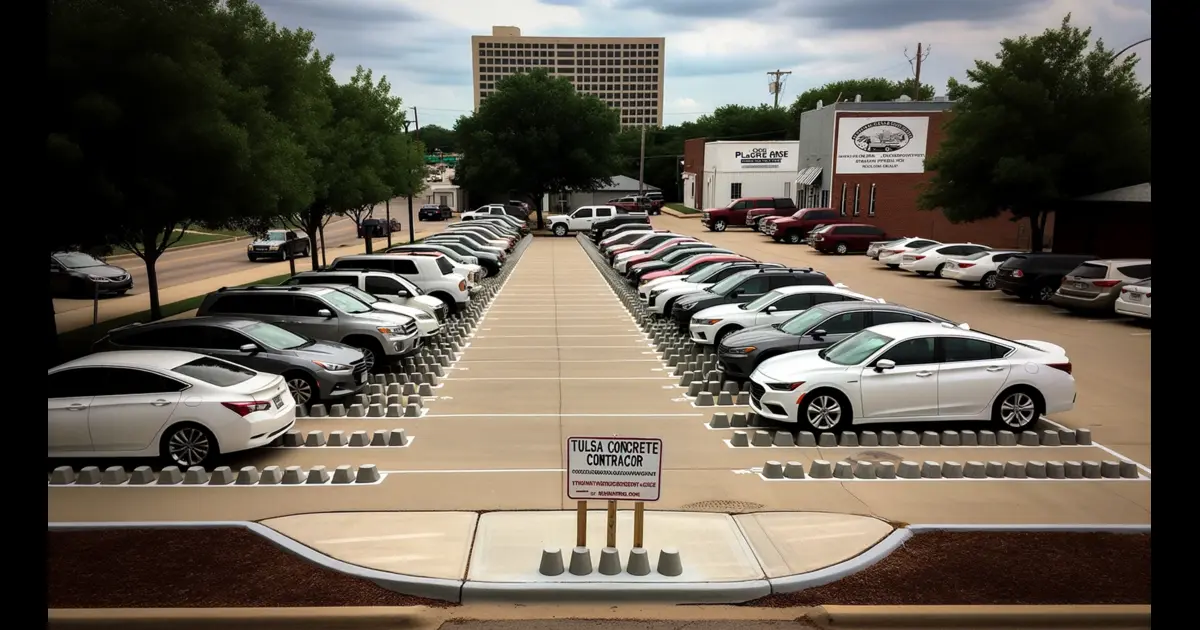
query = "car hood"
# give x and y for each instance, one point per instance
(558, 217)
(685, 286)
(759, 337)
(631, 253)
(261, 242)
(720, 312)
(329, 352)
(700, 297)
(431, 302)
(388, 307)
(382, 318)
(103, 271)
(795, 366)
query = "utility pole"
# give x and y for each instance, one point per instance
(642, 165)
(922, 54)
(416, 123)
(412, 233)
(775, 87)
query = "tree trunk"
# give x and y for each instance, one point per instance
(324, 260)
(537, 206)
(312, 227)
(152, 286)
(1037, 230)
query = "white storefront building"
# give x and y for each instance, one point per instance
(735, 169)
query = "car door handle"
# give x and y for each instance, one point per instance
(995, 368)
(161, 403)
(76, 407)
(924, 374)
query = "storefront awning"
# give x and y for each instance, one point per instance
(807, 176)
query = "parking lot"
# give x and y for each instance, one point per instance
(557, 354)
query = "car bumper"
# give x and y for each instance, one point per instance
(891, 261)
(777, 406)
(1102, 302)
(916, 266)
(962, 275)
(1013, 286)
(266, 253)
(245, 435)
(702, 333)
(104, 288)
(738, 366)
(1132, 309)
(339, 385)
(398, 347)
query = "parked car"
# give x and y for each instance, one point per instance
(435, 274)
(821, 326)
(321, 313)
(600, 229)
(488, 236)
(1036, 276)
(692, 264)
(491, 263)
(474, 243)
(636, 203)
(76, 274)
(874, 247)
(435, 212)
(793, 229)
(978, 269)
(280, 245)
(742, 288)
(734, 214)
(935, 258)
(378, 228)
(656, 197)
(382, 284)
(811, 237)
(1134, 300)
(624, 234)
(711, 325)
(661, 299)
(683, 252)
(428, 325)
(517, 226)
(892, 255)
(846, 237)
(621, 260)
(517, 208)
(771, 207)
(490, 210)
(1095, 285)
(130, 404)
(915, 372)
(314, 370)
(581, 220)
(647, 243)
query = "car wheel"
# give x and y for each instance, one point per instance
(1044, 293)
(723, 333)
(186, 445)
(305, 252)
(937, 273)
(560, 230)
(794, 238)
(824, 411)
(372, 353)
(1017, 409)
(719, 225)
(841, 248)
(989, 281)
(303, 389)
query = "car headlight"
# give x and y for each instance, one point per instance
(98, 278)
(705, 322)
(785, 387)
(426, 317)
(745, 350)
(390, 331)
(689, 306)
(332, 367)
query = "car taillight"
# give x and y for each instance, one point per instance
(462, 285)
(965, 265)
(1066, 367)
(1106, 284)
(1147, 295)
(1017, 273)
(244, 409)
(918, 257)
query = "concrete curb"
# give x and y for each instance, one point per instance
(1097, 616)
(432, 588)
(646, 592)
(821, 577)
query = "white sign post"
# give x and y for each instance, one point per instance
(613, 469)
(881, 145)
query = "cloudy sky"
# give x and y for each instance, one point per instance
(717, 51)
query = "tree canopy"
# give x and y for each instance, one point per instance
(437, 138)
(871, 89)
(1054, 119)
(537, 135)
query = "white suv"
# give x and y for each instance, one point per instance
(385, 286)
(581, 220)
(434, 273)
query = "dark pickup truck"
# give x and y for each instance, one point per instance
(782, 207)
(734, 215)
(635, 203)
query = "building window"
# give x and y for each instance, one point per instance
(856, 190)
(842, 201)
(735, 190)
(824, 198)
(871, 202)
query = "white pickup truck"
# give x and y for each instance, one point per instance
(580, 220)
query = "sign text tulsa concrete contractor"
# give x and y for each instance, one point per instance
(614, 468)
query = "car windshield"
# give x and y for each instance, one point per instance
(705, 274)
(275, 337)
(804, 322)
(275, 235)
(762, 302)
(924, 249)
(728, 284)
(360, 295)
(978, 255)
(855, 349)
(684, 263)
(345, 303)
(76, 260)
(215, 372)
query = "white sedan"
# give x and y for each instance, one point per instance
(184, 407)
(915, 372)
(932, 259)
(710, 325)
(890, 254)
(977, 269)
(1134, 300)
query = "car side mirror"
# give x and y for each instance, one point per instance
(884, 364)
(326, 313)
(248, 348)
(770, 309)
(402, 293)
(819, 335)
(737, 293)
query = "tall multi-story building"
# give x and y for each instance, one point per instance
(625, 72)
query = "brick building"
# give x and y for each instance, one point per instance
(693, 172)
(866, 160)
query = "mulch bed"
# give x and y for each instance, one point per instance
(196, 568)
(997, 568)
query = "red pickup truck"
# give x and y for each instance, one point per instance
(783, 207)
(793, 229)
(734, 215)
(636, 203)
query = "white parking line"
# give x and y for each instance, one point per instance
(565, 378)
(1100, 446)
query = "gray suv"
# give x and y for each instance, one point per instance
(321, 313)
(314, 370)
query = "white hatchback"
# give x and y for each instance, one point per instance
(915, 372)
(890, 254)
(977, 269)
(935, 258)
(185, 407)
(710, 325)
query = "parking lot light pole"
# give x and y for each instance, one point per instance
(387, 208)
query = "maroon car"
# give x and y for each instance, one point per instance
(846, 237)
(734, 215)
(780, 207)
(795, 228)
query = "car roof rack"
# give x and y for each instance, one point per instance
(275, 287)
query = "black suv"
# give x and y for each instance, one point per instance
(741, 288)
(600, 227)
(434, 212)
(1036, 277)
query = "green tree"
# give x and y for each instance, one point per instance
(437, 138)
(871, 89)
(1054, 119)
(537, 135)
(158, 130)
